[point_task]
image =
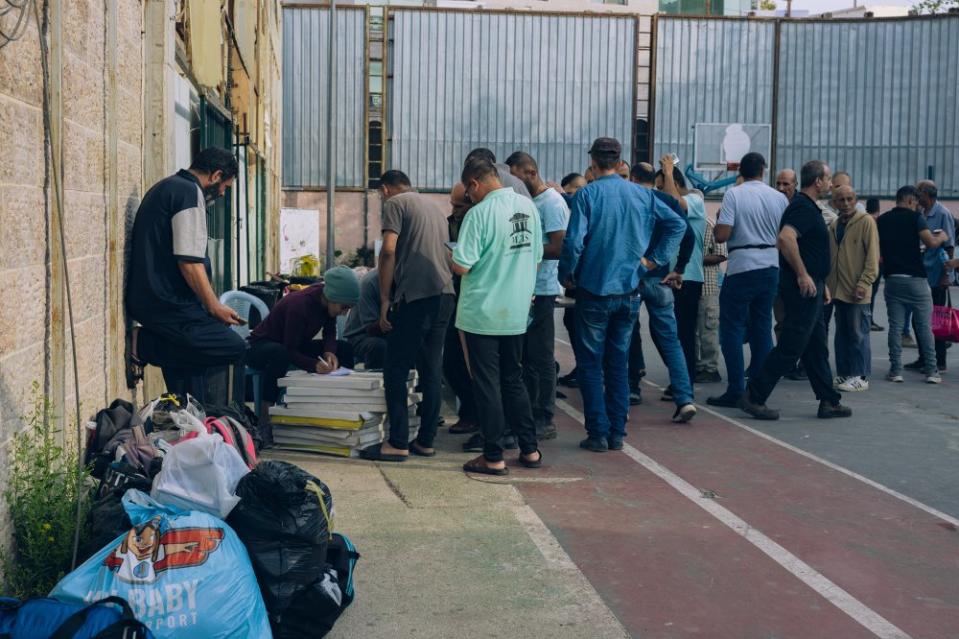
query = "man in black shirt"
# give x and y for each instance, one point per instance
(804, 264)
(185, 327)
(901, 230)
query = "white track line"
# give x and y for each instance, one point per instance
(855, 609)
(825, 462)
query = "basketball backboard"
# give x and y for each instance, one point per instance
(719, 146)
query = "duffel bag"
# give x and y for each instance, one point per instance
(52, 619)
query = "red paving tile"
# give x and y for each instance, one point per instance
(669, 569)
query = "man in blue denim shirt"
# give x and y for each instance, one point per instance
(606, 251)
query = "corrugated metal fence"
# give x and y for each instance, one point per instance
(546, 84)
(710, 71)
(305, 106)
(876, 98)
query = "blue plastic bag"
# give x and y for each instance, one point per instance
(185, 574)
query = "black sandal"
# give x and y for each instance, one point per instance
(416, 449)
(375, 453)
(532, 464)
(478, 465)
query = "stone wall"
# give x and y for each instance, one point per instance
(97, 122)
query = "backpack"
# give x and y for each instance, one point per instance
(233, 433)
(52, 619)
(316, 609)
(242, 415)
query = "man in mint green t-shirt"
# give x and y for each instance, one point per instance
(499, 247)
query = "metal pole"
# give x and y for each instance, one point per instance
(331, 137)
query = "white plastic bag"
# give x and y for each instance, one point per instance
(200, 474)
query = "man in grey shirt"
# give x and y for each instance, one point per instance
(416, 302)
(506, 178)
(362, 331)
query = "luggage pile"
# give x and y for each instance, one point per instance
(335, 414)
(190, 535)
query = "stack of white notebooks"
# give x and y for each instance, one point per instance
(337, 414)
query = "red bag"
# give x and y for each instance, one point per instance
(945, 323)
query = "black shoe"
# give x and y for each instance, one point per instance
(725, 400)
(546, 432)
(876, 328)
(635, 399)
(509, 442)
(560, 395)
(474, 444)
(708, 377)
(828, 410)
(759, 411)
(594, 444)
(614, 443)
(667, 394)
(569, 380)
(914, 366)
(797, 374)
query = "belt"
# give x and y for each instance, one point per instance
(750, 246)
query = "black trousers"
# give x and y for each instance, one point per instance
(184, 344)
(569, 322)
(273, 361)
(687, 314)
(539, 361)
(496, 362)
(368, 349)
(637, 361)
(416, 341)
(457, 374)
(803, 337)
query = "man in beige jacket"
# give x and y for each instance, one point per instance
(854, 250)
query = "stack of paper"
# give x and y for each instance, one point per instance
(337, 414)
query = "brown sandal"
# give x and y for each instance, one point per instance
(479, 466)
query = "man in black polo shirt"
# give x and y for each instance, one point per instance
(185, 328)
(804, 264)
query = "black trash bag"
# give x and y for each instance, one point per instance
(285, 528)
(106, 520)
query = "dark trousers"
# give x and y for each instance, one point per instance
(496, 362)
(186, 342)
(637, 361)
(539, 361)
(939, 295)
(569, 323)
(416, 341)
(272, 360)
(851, 342)
(687, 315)
(457, 374)
(368, 349)
(803, 337)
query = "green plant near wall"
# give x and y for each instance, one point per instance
(45, 481)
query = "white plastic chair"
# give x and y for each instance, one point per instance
(242, 302)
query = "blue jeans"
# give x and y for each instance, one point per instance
(603, 329)
(851, 343)
(905, 295)
(662, 326)
(746, 297)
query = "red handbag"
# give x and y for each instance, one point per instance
(945, 322)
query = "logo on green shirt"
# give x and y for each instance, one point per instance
(520, 237)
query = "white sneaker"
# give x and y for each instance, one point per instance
(934, 379)
(894, 378)
(854, 385)
(837, 380)
(684, 413)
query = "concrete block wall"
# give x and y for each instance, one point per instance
(97, 63)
